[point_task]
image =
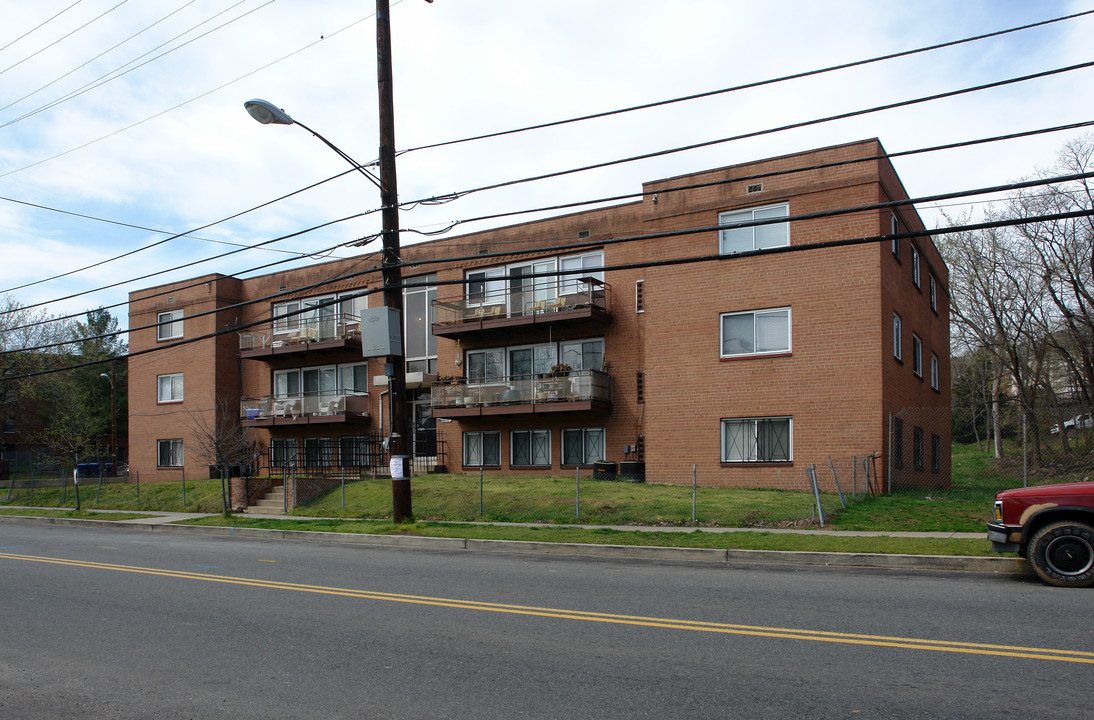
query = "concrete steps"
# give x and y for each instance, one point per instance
(272, 503)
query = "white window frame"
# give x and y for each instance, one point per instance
(753, 426)
(473, 454)
(590, 437)
(542, 458)
(567, 348)
(757, 315)
(897, 353)
(492, 291)
(915, 267)
(917, 356)
(169, 325)
(894, 229)
(174, 452)
(575, 268)
(751, 215)
(934, 371)
(169, 388)
(348, 370)
(934, 292)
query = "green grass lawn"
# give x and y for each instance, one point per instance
(962, 507)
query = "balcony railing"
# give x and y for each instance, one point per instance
(303, 408)
(290, 333)
(580, 390)
(578, 299)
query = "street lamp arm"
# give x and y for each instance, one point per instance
(267, 113)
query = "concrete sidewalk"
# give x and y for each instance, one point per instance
(164, 522)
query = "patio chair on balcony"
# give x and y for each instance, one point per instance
(304, 335)
(558, 303)
(332, 405)
(287, 406)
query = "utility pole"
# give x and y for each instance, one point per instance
(390, 266)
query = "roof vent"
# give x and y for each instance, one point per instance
(583, 234)
(758, 187)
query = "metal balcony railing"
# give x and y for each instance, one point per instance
(300, 329)
(303, 405)
(534, 303)
(578, 385)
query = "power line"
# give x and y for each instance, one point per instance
(770, 131)
(86, 62)
(65, 37)
(40, 25)
(849, 242)
(759, 83)
(119, 72)
(892, 204)
(174, 236)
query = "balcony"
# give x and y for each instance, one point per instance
(304, 409)
(584, 300)
(297, 335)
(580, 391)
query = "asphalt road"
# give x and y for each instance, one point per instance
(122, 624)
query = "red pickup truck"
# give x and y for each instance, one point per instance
(1052, 526)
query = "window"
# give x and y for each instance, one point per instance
(485, 364)
(917, 355)
(896, 336)
(582, 446)
(898, 442)
(915, 267)
(169, 453)
(486, 287)
(934, 371)
(894, 229)
(530, 447)
(934, 293)
(754, 237)
(583, 354)
(586, 265)
(169, 325)
(936, 452)
(482, 449)
(756, 333)
(169, 388)
(640, 387)
(287, 383)
(353, 379)
(756, 440)
(421, 346)
(917, 447)
(639, 299)
(282, 451)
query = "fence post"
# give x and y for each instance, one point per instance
(1025, 455)
(577, 500)
(836, 480)
(891, 453)
(812, 473)
(694, 491)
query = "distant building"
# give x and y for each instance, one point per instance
(747, 366)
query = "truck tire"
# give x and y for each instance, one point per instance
(1062, 554)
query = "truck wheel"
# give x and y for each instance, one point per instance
(1062, 554)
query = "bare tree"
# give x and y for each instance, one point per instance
(222, 441)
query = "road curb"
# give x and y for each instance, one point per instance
(638, 552)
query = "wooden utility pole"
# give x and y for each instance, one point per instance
(399, 445)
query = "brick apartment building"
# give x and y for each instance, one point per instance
(684, 347)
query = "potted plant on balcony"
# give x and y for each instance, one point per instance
(559, 370)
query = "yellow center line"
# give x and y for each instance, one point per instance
(1031, 653)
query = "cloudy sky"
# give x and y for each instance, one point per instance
(131, 111)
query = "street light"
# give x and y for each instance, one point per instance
(267, 113)
(113, 422)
